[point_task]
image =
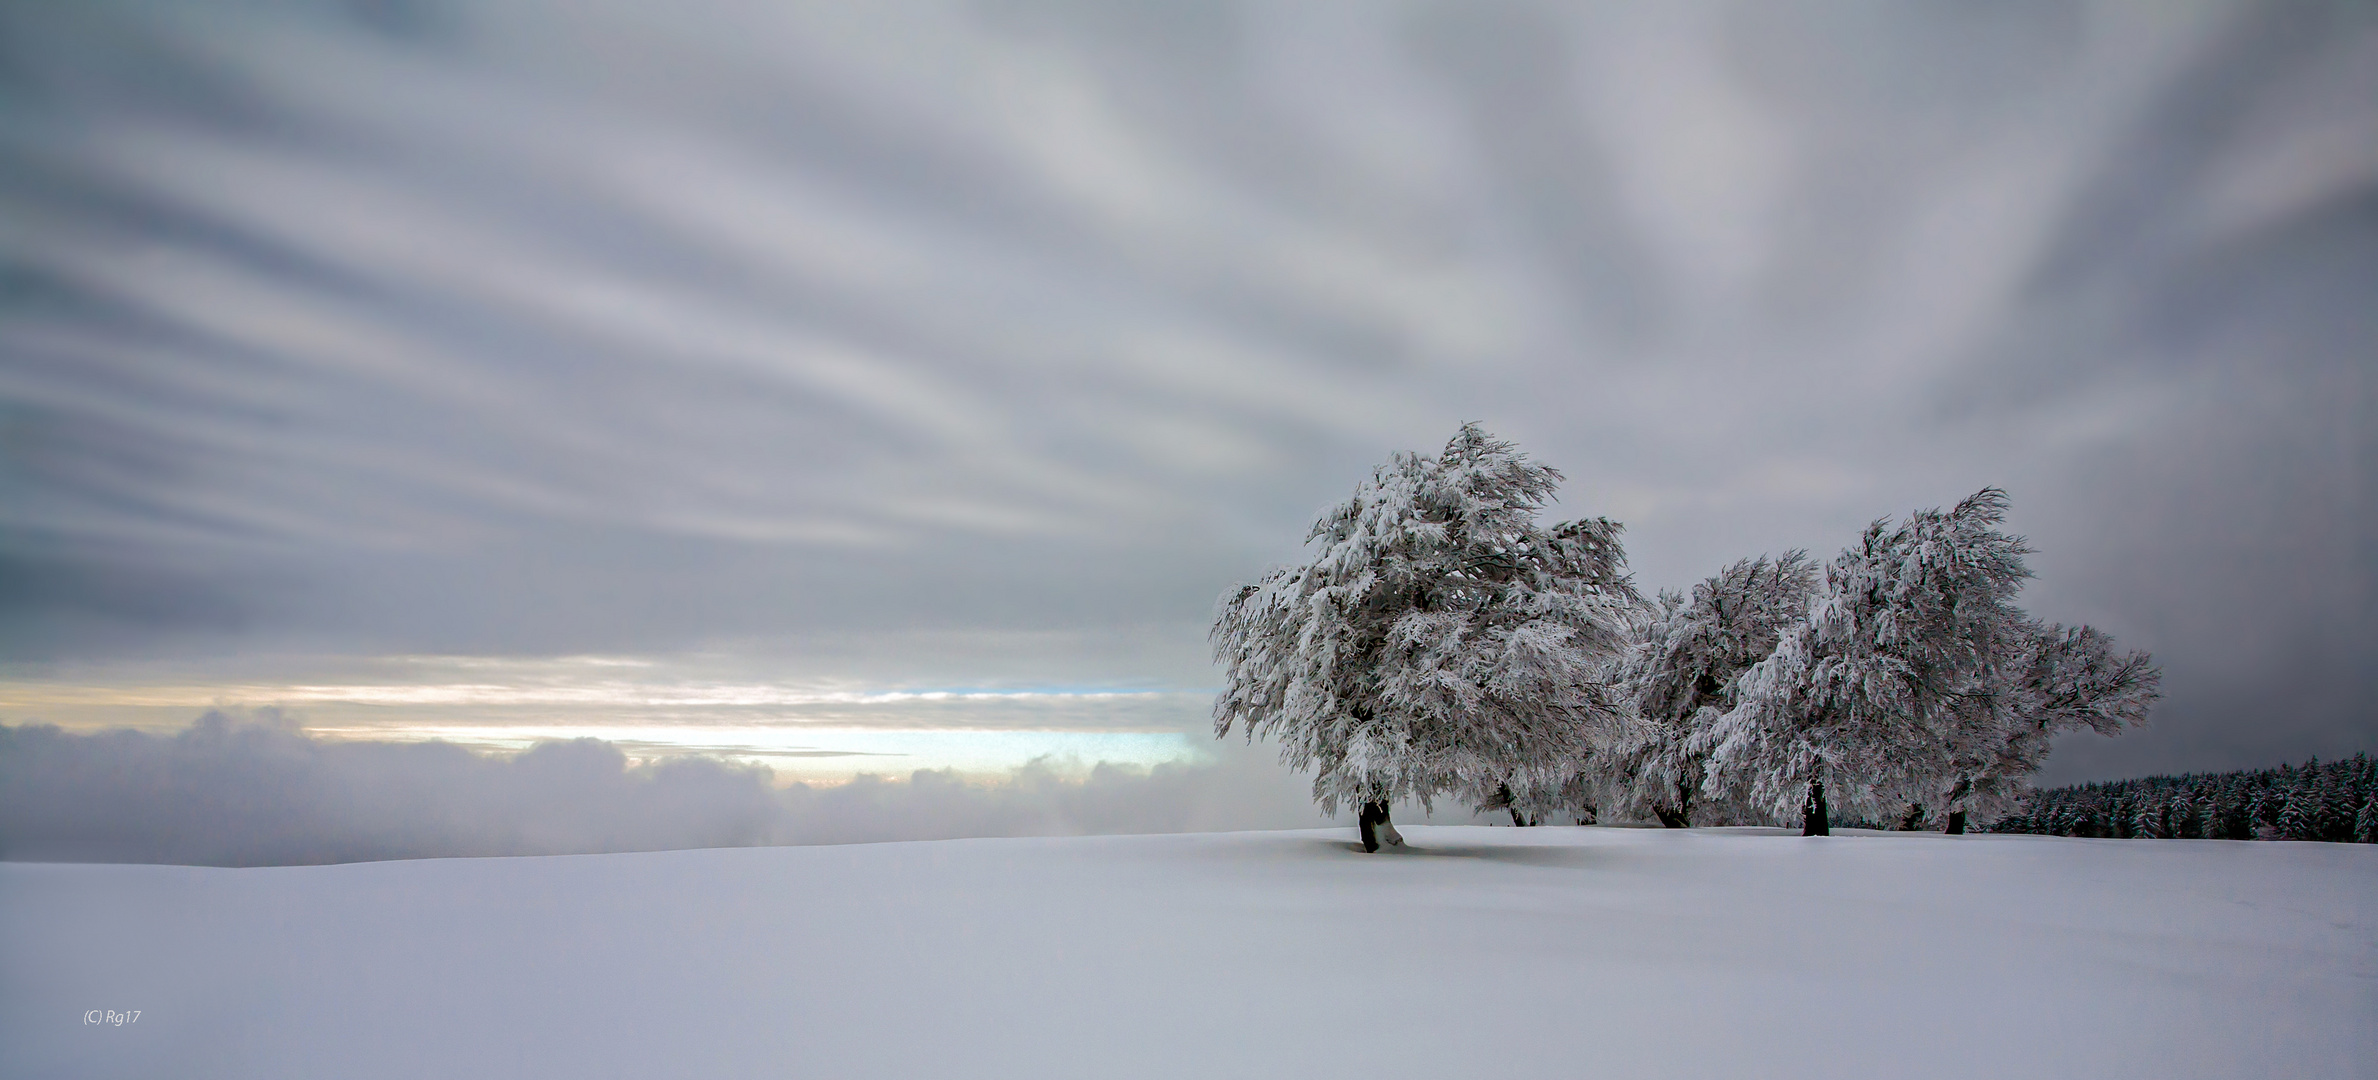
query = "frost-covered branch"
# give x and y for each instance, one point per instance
(1441, 640)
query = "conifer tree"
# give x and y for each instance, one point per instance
(2148, 823)
(1440, 640)
(2336, 802)
(2263, 810)
(2299, 819)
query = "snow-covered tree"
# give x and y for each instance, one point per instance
(2212, 816)
(2042, 681)
(1857, 703)
(2148, 822)
(2299, 817)
(1680, 676)
(1440, 640)
(1918, 686)
(2262, 811)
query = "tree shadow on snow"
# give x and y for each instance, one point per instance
(1564, 856)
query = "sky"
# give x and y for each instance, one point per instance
(864, 387)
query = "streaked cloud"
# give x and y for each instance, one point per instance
(545, 330)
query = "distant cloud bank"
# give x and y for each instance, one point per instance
(259, 792)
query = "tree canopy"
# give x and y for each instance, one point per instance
(1859, 698)
(1440, 639)
(1681, 672)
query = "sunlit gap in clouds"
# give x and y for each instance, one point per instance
(832, 754)
(806, 729)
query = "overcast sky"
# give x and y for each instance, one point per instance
(980, 347)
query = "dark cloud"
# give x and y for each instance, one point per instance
(530, 330)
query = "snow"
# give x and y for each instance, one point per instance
(1474, 952)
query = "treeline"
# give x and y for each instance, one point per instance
(2335, 801)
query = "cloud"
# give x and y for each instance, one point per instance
(536, 330)
(258, 792)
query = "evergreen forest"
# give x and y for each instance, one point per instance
(2333, 801)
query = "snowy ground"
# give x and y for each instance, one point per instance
(1482, 952)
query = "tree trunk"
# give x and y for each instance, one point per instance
(1813, 819)
(1680, 815)
(1376, 829)
(1956, 825)
(1511, 802)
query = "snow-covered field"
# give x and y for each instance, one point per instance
(1479, 952)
